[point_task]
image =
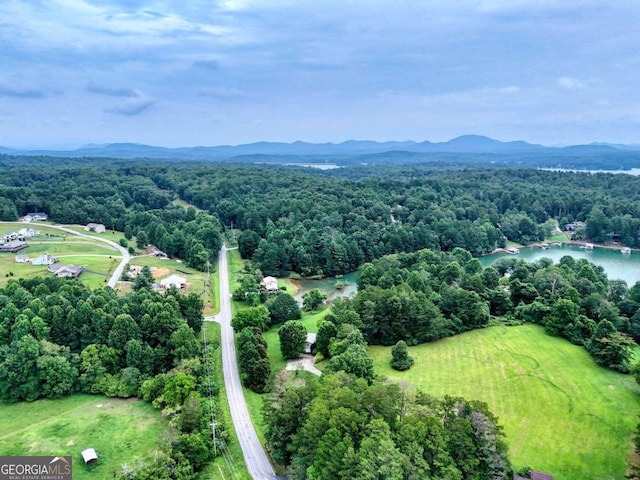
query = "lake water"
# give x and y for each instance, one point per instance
(328, 286)
(617, 265)
(632, 171)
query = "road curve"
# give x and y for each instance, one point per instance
(254, 456)
(117, 273)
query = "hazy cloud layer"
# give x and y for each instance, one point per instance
(234, 71)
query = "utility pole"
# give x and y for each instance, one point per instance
(213, 431)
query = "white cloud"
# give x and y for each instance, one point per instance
(132, 107)
(570, 83)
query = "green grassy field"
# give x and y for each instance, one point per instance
(558, 237)
(95, 256)
(562, 414)
(184, 204)
(121, 431)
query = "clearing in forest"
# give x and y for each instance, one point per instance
(561, 413)
(120, 430)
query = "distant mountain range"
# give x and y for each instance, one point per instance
(474, 149)
(474, 144)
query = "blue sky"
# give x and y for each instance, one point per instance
(205, 72)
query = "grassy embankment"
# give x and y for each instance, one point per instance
(561, 413)
(231, 464)
(121, 431)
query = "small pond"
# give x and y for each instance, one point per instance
(328, 286)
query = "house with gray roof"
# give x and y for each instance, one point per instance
(61, 270)
(13, 246)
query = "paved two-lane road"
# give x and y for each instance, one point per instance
(254, 456)
(117, 273)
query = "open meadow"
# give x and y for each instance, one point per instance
(561, 413)
(121, 431)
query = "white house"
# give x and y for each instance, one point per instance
(174, 281)
(270, 284)
(9, 236)
(41, 216)
(95, 227)
(28, 232)
(44, 259)
(310, 342)
(22, 258)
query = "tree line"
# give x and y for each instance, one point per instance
(59, 337)
(427, 295)
(343, 427)
(324, 222)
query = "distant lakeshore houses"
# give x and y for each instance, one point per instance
(572, 227)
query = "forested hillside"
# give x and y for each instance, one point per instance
(324, 222)
(412, 231)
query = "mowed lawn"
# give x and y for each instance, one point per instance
(561, 413)
(121, 431)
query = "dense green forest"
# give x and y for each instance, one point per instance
(323, 222)
(59, 337)
(345, 428)
(412, 232)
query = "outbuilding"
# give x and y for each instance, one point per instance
(95, 227)
(174, 281)
(89, 456)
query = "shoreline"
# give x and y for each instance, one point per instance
(579, 243)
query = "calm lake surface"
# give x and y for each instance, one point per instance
(328, 286)
(615, 264)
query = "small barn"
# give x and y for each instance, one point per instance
(89, 456)
(310, 342)
(95, 227)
